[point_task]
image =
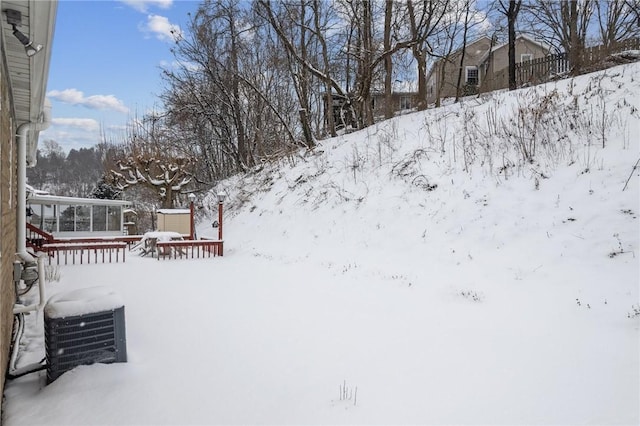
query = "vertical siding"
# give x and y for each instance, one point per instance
(179, 222)
(7, 218)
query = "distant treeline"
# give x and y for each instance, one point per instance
(76, 174)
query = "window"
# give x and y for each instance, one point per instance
(472, 77)
(526, 57)
(405, 102)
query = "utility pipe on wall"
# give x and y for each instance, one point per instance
(26, 130)
(42, 297)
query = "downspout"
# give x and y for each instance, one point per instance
(25, 130)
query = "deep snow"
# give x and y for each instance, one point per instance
(416, 272)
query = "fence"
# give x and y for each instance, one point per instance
(544, 69)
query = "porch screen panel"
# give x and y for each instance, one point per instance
(49, 220)
(83, 218)
(67, 218)
(115, 218)
(99, 218)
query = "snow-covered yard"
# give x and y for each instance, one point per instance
(390, 279)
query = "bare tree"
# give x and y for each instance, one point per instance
(465, 30)
(208, 84)
(149, 158)
(362, 14)
(424, 19)
(510, 9)
(388, 62)
(297, 22)
(446, 44)
(634, 8)
(563, 23)
(361, 46)
(231, 93)
(266, 8)
(616, 20)
(326, 82)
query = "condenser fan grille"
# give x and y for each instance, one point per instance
(84, 339)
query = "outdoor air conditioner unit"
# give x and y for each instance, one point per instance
(94, 334)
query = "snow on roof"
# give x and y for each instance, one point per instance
(82, 301)
(31, 190)
(55, 199)
(174, 211)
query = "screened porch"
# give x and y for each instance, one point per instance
(76, 217)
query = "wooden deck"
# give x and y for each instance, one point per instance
(110, 249)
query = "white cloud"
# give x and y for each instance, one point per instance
(76, 97)
(73, 133)
(87, 124)
(177, 65)
(161, 28)
(144, 5)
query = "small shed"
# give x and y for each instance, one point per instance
(175, 220)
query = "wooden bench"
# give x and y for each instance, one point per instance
(179, 249)
(109, 251)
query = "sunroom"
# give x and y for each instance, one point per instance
(66, 217)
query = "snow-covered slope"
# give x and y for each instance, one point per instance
(453, 189)
(475, 264)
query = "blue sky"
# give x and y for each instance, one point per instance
(106, 64)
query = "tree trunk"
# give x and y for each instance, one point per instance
(512, 15)
(462, 55)
(243, 154)
(331, 125)
(306, 129)
(388, 63)
(575, 52)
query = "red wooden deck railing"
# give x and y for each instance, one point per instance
(112, 248)
(188, 249)
(80, 249)
(84, 252)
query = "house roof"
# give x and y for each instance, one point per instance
(73, 201)
(28, 74)
(456, 52)
(174, 211)
(540, 43)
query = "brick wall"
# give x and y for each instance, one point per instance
(8, 189)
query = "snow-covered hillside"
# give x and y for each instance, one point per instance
(474, 264)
